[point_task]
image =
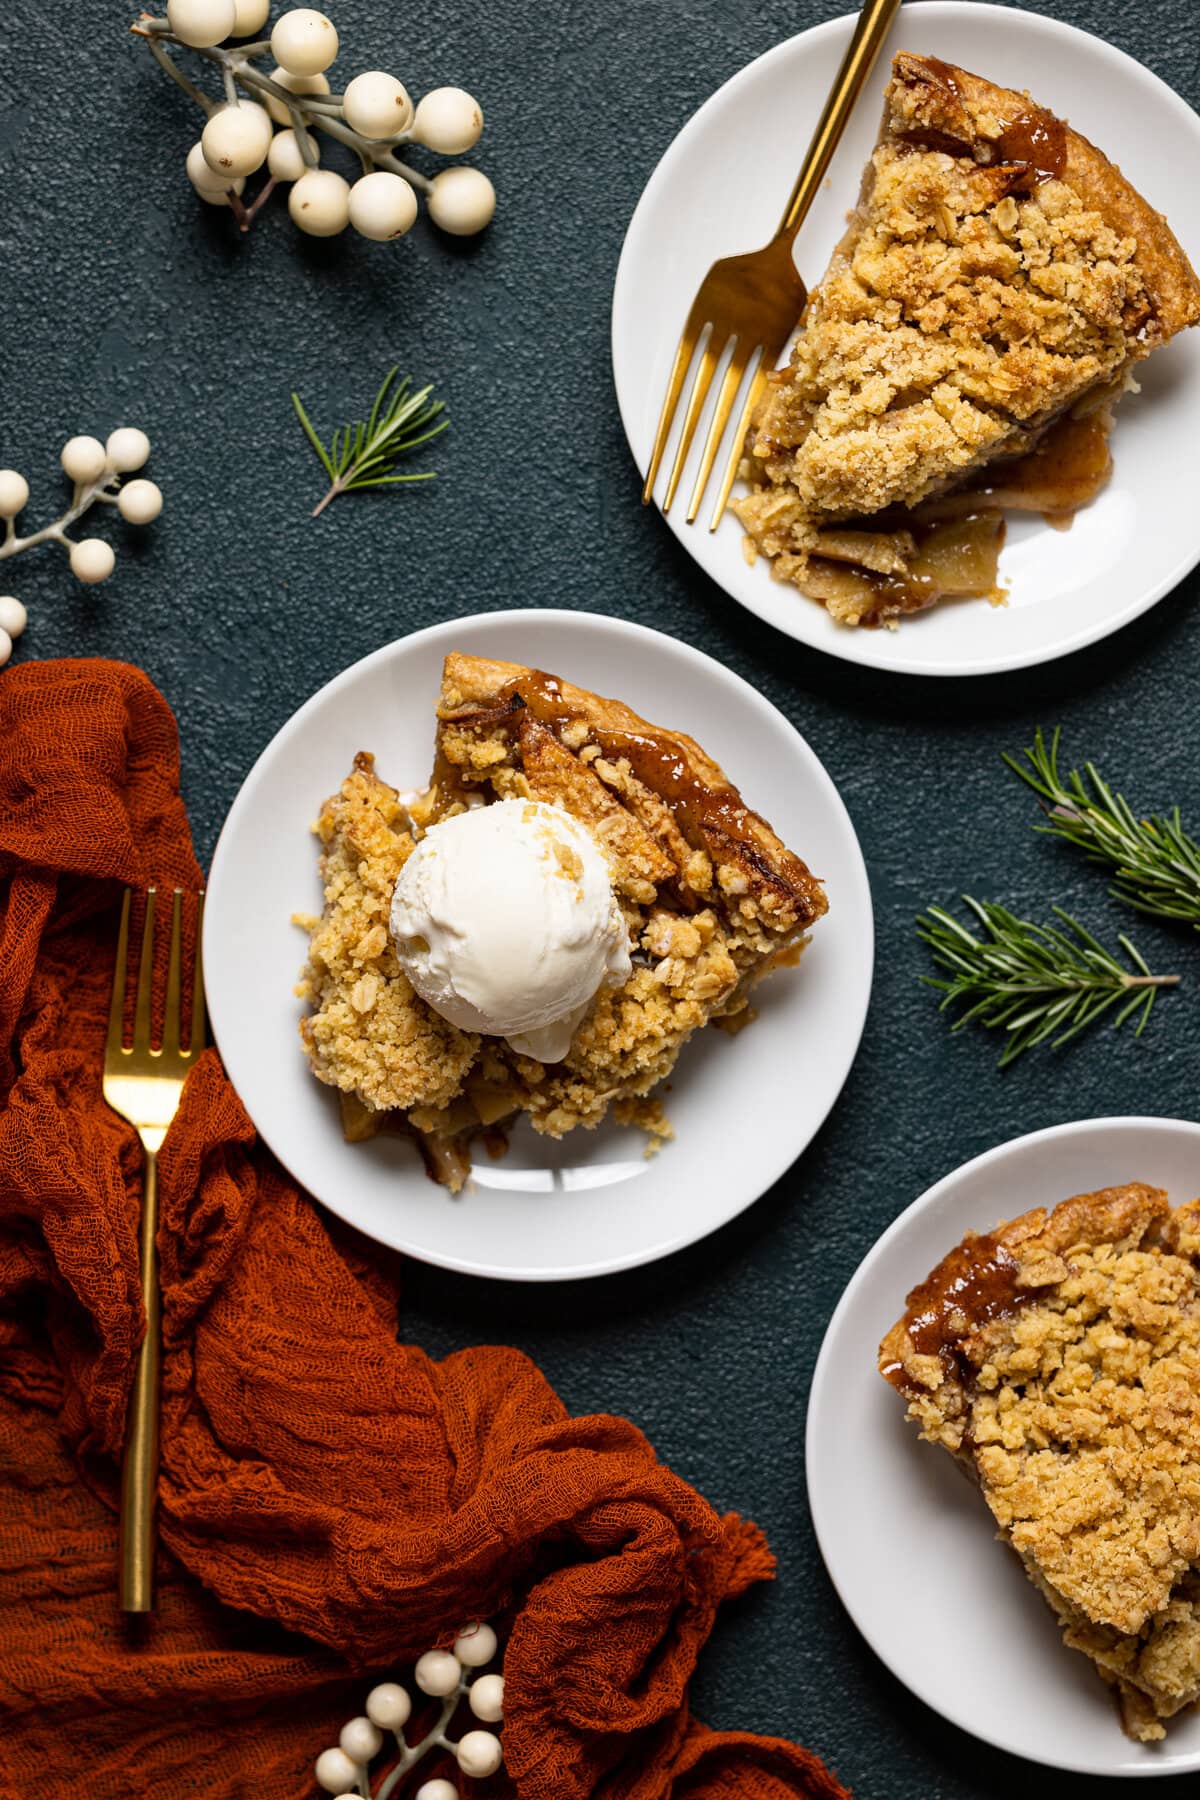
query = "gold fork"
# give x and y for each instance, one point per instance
(143, 1084)
(750, 304)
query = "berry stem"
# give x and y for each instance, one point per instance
(84, 496)
(246, 215)
(435, 1739)
(315, 111)
(382, 159)
(177, 75)
(308, 150)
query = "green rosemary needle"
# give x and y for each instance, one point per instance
(1034, 981)
(363, 455)
(1156, 860)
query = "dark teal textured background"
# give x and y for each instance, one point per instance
(126, 301)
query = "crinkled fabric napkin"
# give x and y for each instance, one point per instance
(332, 1501)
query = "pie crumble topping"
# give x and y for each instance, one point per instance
(998, 281)
(1058, 1359)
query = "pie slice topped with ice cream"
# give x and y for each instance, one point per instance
(541, 930)
(998, 281)
(1057, 1358)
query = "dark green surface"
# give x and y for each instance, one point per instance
(125, 301)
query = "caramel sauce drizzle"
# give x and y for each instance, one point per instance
(1036, 138)
(655, 759)
(713, 816)
(1032, 138)
(974, 1284)
(944, 72)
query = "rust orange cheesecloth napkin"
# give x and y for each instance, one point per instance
(332, 1501)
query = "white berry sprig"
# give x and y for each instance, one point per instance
(273, 121)
(445, 1675)
(96, 470)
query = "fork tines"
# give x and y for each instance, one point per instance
(171, 1045)
(714, 343)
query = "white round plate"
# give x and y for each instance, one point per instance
(721, 188)
(743, 1108)
(909, 1544)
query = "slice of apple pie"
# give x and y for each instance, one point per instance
(998, 281)
(1058, 1359)
(708, 896)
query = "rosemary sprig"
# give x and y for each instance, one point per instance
(363, 455)
(1156, 860)
(1034, 981)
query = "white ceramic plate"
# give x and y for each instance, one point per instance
(909, 1544)
(721, 187)
(744, 1108)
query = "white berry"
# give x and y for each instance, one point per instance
(295, 84)
(461, 201)
(140, 501)
(92, 560)
(377, 105)
(361, 1740)
(201, 23)
(202, 178)
(236, 139)
(475, 1645)
(284, 159)
(249, 16)
(13, 617)
(439, 1789)
(389, 1705)
(304, 41)
(449, 120)
(218, 196)
(14, 492)
(382, 205)
(83, 458)
(127, 449)
(335, 1772)
(6, 647)
(437, 1673)
(479, 1753)
(320, 203)
(487, 1698)
(212, 188)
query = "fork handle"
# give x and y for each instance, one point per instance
(874, 23)
(139, 1467)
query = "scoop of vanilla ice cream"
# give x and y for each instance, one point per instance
(505, 921)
